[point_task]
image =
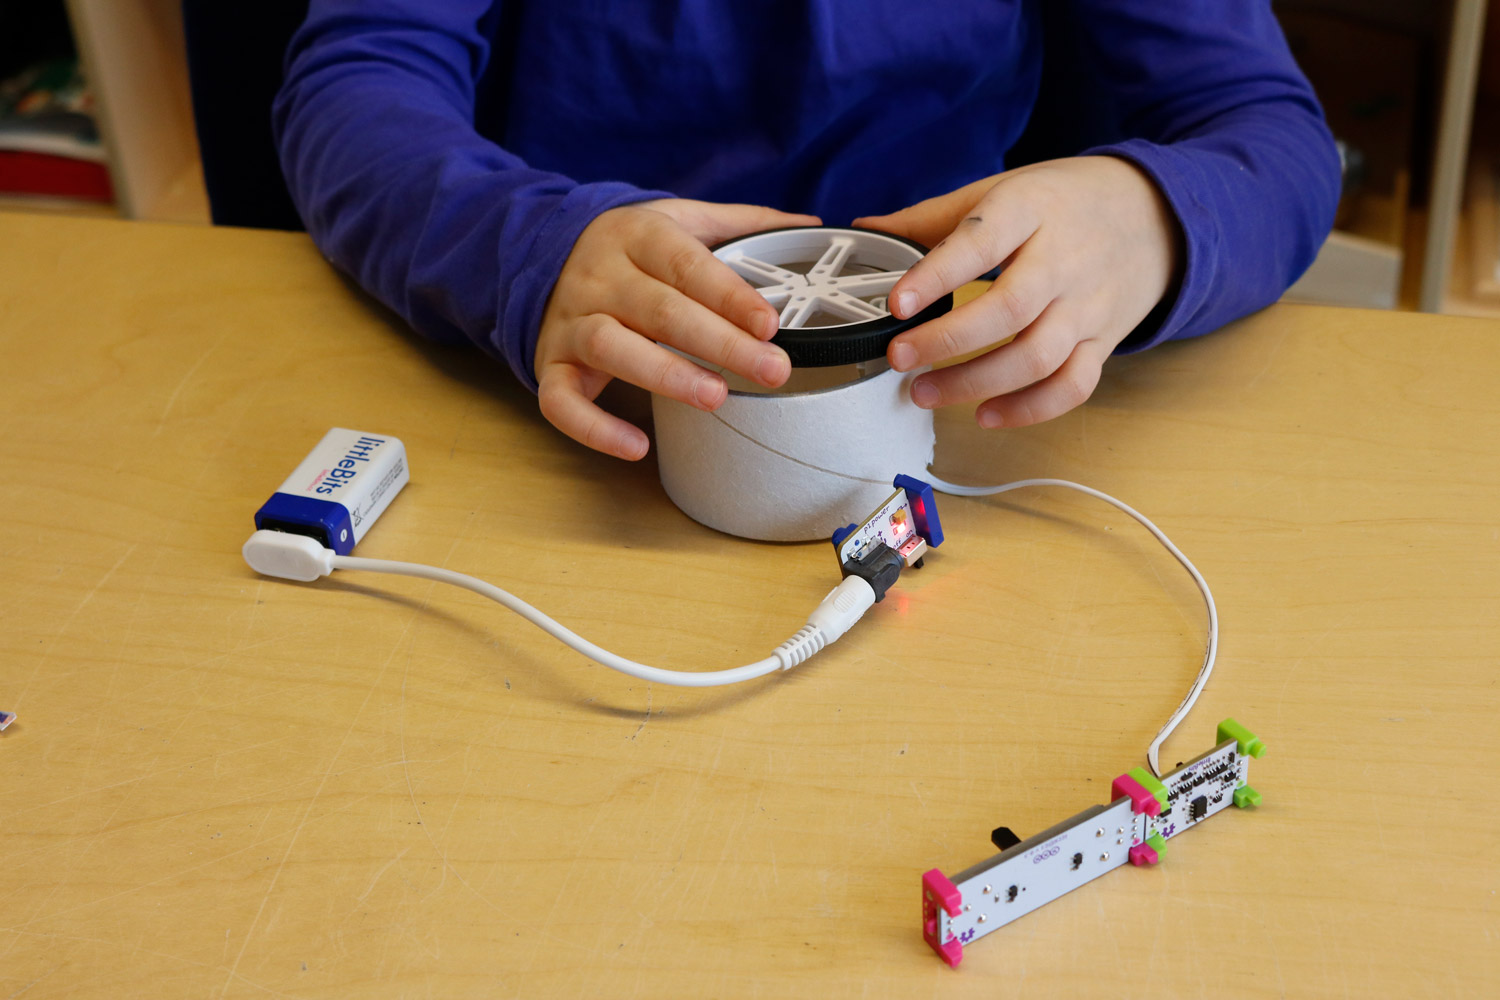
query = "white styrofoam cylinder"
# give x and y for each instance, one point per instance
(792, 467)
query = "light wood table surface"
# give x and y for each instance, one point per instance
(227, 786)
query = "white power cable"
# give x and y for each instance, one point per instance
(1212, 651)
(297, 557)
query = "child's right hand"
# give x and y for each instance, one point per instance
(641, 276)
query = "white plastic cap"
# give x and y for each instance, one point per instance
(290, 557)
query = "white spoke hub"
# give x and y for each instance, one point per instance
(821, 277)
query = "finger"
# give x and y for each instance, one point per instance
(1036, 353)
(670, 255)
(662, 313)
(929, 221)
(566, 396)
(625, 354)
(981, 240)
(713, 223)
(1069, 386)
(1007, 307)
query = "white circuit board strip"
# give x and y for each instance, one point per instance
(1200, 788)
(1036, 871)
(1131, 829)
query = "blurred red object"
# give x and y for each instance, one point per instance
(56, 176)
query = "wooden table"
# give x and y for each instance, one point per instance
(221, 785)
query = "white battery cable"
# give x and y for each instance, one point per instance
(298, 557)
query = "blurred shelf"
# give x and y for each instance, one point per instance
(1351, 270)
(1364, 58)
(56, 206)
(1473, 287)
(1367, 76)
(183, 199)
(135, 58)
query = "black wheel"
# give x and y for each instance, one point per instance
(830, 285)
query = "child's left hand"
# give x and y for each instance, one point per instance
(1089, 247)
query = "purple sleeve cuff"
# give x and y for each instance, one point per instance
(535, 258)
(1254, 197)
(1199, 243)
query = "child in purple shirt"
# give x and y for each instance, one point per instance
(544, 178)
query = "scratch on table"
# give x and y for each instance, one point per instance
(1270, 358)
(170, 769)
(383, 868)
(312, 804)
(75, 857)
(107, 942)
(1291, 671)
(411, 790)
(648, 714)
(68, 622)
(27, 988)
(182, 384)
(177, 874)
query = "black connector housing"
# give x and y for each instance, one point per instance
(880, 567)
(1004, 838)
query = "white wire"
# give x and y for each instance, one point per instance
(1204, 671)
(807, 641)
(681, 678)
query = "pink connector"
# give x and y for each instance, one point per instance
(1141, 801)
(938, 891)
(1143, 854)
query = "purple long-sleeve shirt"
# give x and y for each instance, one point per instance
(447, 154)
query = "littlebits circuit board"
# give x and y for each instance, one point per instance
(1143, 814)
(1133, 828)
(896, 536)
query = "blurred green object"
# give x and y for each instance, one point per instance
(48, 108)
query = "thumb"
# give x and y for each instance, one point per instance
(713, 223)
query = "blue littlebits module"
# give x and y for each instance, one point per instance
(907, 522)
(340, 488)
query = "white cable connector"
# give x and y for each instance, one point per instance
(834, 615)
(298, 557)
(844, 605)
(290, 557)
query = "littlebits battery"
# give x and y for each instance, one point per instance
(340, 488)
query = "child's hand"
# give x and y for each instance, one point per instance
(1089, 247)
(640, 274)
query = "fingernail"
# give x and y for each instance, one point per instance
(903, 357)
(772, 369)
(924, 394)
(906, 304)
(988, 419)
(770, 325)
(633, 447)
(709, 391)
